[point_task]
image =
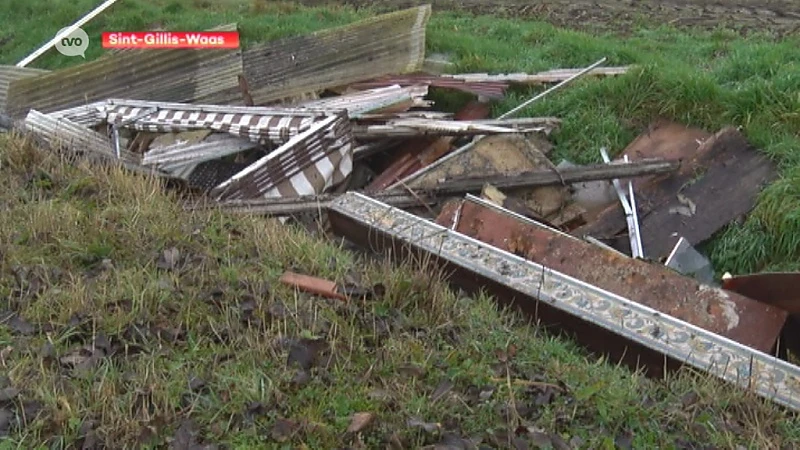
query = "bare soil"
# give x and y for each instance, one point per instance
(780, 18)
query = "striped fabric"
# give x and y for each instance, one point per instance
(275, 129)
(314, 150)
(310, 162)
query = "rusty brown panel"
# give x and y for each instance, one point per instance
(725, 166)
(725, 313)
(778, 289)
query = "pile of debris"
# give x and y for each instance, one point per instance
(342, 121)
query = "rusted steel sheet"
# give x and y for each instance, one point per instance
(388, 43)
(493, 90)
(9, 74)
(172, 75)
(727, 314)
(604, 322)
(778, 289)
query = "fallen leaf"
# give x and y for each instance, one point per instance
(540, 440)
(8, 394)
(444, 387)
(253, 410)
(689, 399)
(411, 370)
(429, 427)
(360, 421)
(284, 429)
(87, 437)
(16, 323)
(687, 202)
(168, 259)
(6, 419)
(558, 442)
(301, 378)
(305, 352)
(624, 441)
(196, 384)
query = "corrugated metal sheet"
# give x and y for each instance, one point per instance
(489, 89)
(63, 133)
(182, 153)
(389, 43)
(13, 73)
(180, 75)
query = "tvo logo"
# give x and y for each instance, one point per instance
(73, 44)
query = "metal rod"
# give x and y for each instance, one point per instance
(554, 88)
(91, 15)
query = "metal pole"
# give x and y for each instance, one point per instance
(65, 33)
(554, 88)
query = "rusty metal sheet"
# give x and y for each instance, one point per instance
(602, 321)
(727, 314)
(778, 289)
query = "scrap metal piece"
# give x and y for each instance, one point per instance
(650, 284)
(357, 104)
(720, 178)
(171, 157)
(629, 206)
(601, 320)
(552, 89)
(688, 261)
(548, 76)
(63, 133)
(465, 148)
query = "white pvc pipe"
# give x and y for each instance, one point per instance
(65, 33)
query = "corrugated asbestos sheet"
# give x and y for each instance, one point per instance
(389, 43)
(181, 75)
(61, 132)
(12, 73)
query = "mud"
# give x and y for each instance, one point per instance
(779, 18)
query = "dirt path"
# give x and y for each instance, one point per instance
(779, 17)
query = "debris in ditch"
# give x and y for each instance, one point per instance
(607, 323)
(717, 183)
(646, 283)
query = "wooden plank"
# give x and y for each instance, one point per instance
(721, 181)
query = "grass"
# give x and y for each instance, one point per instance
(117, 341)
